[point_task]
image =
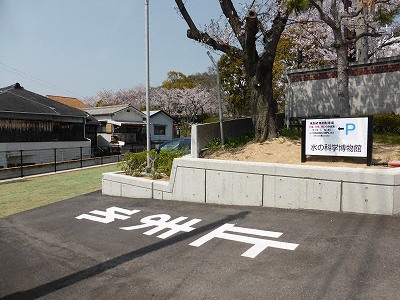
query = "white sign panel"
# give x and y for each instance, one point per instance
(337, 137)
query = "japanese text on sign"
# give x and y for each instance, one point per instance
(336, 137)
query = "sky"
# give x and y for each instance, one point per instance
(77, 48)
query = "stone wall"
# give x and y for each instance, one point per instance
(374, 87)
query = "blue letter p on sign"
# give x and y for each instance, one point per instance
(350, 127)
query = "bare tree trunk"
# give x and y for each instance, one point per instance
(343, 82)
(263, 104)
(258, 67)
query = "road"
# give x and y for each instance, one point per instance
(101, 247)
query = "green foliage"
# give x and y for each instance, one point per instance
(387, 123)
(211, 120)
(290, 133)
(185, 129)
(298, 6)
(163, 162)
(386, 17)
(231, 143)
(286, 57)
(134, 164)
(178, 80)
(387, 138)
(206, 79)
(101, 103)
(234, 84)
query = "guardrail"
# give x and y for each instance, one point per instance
(21, 163)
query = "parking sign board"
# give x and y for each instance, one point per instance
(348, 137)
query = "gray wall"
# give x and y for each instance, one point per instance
(205, 133)
(373, 87)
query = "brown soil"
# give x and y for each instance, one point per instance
(282, 150)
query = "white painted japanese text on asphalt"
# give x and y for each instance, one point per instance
(162, 222)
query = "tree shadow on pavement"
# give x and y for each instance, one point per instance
(100, 268)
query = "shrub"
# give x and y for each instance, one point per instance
(293, 133)
(387, 123)
(134, 164)
(163, 161)
(231, 143)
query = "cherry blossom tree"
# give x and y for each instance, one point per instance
(251, 34)
(342, 31)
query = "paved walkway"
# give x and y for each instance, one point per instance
(101, 247)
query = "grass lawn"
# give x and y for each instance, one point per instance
(28, 193)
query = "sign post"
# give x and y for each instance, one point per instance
(346, 137)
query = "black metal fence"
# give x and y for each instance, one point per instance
(20, 163)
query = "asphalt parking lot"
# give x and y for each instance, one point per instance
(101, 247)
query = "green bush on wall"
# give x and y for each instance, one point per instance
(386, 123)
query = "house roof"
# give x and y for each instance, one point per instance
(109, 110)
(73, 102)
(154, 112)
(15, 99)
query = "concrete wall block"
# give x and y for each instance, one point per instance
(111, 188)
(157, 195)
(167, 196)
(284, 192)
(396, 200)
(227, 165)
(295, 193)
(233, 188)
(163, 186)
(322, 195)
(367, 198)
(189, 185)
(131, 191)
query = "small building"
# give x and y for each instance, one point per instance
(31, 124)
(122, 121)
(161, 127)
(91, 125)
(128, 124)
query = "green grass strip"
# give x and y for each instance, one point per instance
(28, 193)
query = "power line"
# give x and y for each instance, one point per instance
(35, 79)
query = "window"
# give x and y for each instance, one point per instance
(159, 129)
(102, 127)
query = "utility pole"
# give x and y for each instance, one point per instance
(146, 9)
(219, 98)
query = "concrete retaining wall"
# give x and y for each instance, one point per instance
(204, 133)
(371, 191)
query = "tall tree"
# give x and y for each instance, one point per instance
(178, 80)
(352, 24)
(256, 35)
(234, 85)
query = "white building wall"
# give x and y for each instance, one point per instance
(42, 152)
(369, 93)
(128, 116)
(161, 119)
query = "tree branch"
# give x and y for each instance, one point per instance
(231, 14)
(195, 34)
(346, 15)
(324, 17)
(273, 35)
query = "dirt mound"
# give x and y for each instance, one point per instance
(283, 150)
